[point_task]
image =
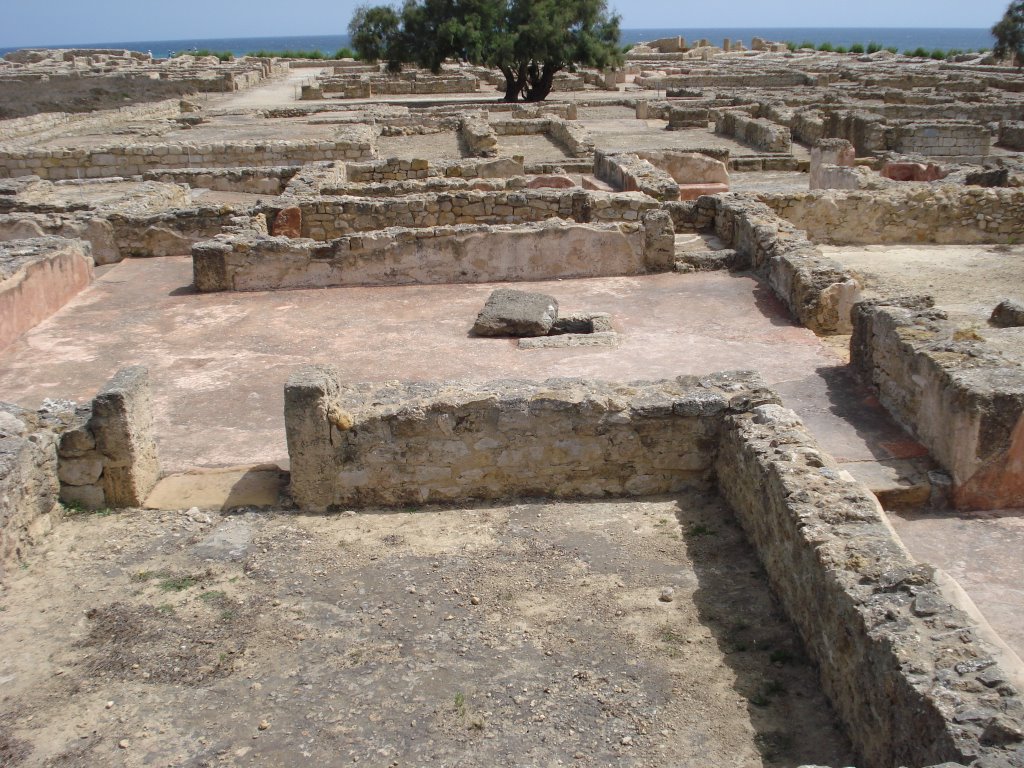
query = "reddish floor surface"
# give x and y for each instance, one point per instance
(982, 551)
(219, 361)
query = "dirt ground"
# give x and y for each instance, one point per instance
(534, 634)
(966, 281)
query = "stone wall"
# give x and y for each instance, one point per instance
(962, 399)
(134, 160)
(1011, 134)
(330, 217)
(962, 140)
(397, 444)
(257, 181)
(910, 213)
(108, 453)
(38, 277)
(43, 124)
(909, 673)
(631, 174)
(819, 292)
(478, 135)
(28, 483)
(754, 131)
(448, 254)
(396, 169)
(406, 83)
(117, 236)
(572, 136)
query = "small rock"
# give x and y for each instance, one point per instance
(627, 741)
(474, 600)
(264, 724)
(123, 744)
(667, 595)
(109, 705)
(1008, 314)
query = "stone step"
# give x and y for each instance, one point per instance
(915, 483)
(707, 261)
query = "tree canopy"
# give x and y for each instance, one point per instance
(1009, 34)
(528, 40)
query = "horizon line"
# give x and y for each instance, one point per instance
(342, 34)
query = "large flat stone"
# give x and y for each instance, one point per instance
(509, 312)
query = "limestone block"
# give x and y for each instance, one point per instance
(85, 496)
(161, 241)
(82, 471)
(510, 312)
(122, 422)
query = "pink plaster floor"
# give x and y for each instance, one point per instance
(219, 362)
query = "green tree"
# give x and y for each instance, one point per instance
(1009, 34)
(528, 40)
(374, 31)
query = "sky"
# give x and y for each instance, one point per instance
(53, 22)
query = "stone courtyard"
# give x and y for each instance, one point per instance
(751, 496)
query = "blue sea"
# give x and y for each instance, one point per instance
(903, 39)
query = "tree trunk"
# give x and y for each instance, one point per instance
(540, 86)
(515, 81)
(511, 92)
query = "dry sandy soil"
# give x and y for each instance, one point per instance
(533, 634)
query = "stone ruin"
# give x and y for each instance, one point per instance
(184, 225)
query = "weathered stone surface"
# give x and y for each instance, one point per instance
(559, 438)
(122, 423)
(898, 655)
(288, 222)
(818, 291)
(28, 484)
(963, 400)
(82, 471)
(510, 312)
(461, 253)
(1008, 314)
(550, 182)
(689, 167)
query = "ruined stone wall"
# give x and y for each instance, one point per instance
(755, 131)
(43, 124)
(908, 672)
(113, 237)
(451, 254)
(631, 174)
(327, 218)
(406, 83)
(1011, 134)
(396, 444)
(38, 277)
(911, 213)
(780, 78)
(950, 139)
(865, 130)
(28, 483)
(479, 136)
(818, 291)
(963, 400)
(396, 169)
(257, 181)
(573, 137)
(108, 454)
(119, 160)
